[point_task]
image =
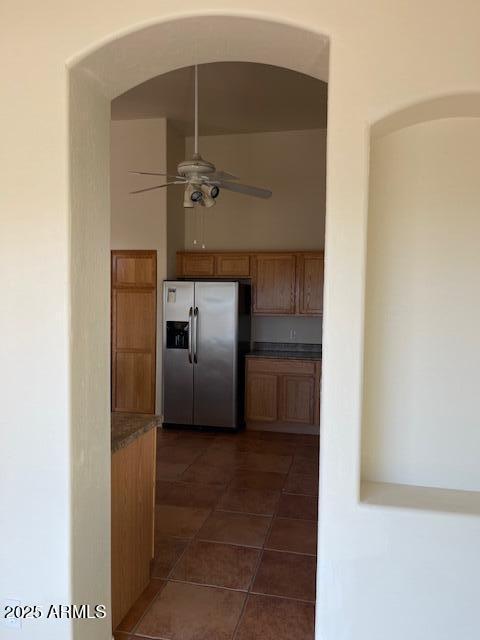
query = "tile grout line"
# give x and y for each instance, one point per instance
(147, 609)
(228, 486)
(195, 536)
(267, 515)
(194, 460)
(274, 595)
(191, 540)
(242, 545)
(150, 605)
(214, 508)
(187, 547)
(246, 591)
(261, 554)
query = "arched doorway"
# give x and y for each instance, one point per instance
(94, 79)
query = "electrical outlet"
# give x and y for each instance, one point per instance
(9, 623)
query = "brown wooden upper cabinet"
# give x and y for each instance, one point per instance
(196, 265)
(274, 279)
(206, 265)
(232, 265)
(134, 313)
(133, 269)
(310, 283)
(283, 283)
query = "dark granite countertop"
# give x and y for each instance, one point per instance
(127, 427)
(285, 355)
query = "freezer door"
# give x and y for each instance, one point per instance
(215, 354)
(178, 305)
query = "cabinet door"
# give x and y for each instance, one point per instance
(274, 284)
(133, 269)
(262, 397)
(310, 284)
(201, 265)
(297, 403)
(232, 265)
(134, 322)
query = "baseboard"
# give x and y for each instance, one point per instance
(284, 427)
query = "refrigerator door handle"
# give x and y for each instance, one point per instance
(195, 316)
(190, 335)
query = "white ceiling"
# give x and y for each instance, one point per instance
(234, 97)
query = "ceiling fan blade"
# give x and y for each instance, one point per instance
(158, 186)
(246, 189)
(220, 175)
(150, 173)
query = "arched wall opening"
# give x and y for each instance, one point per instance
(420, 413)
(94, 80)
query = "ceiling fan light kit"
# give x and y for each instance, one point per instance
(201, 179)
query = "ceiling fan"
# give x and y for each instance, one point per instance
(201, 179)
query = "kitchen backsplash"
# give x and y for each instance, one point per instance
(287, 329)
(290, 347)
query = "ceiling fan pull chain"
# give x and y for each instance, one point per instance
(202, 223)
(195, 227)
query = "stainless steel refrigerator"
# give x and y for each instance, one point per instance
(206, 333)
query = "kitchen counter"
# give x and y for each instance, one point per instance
(285, 355)
(127, 427)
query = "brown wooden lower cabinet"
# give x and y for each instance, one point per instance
(262, 396)
(297, 399)
(133, 496)
(283, 391)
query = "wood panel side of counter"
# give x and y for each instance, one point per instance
(133, 498)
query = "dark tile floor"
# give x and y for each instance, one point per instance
(235, 539)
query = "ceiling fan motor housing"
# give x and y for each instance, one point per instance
(195, 168)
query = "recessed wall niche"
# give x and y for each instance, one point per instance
(421, 408)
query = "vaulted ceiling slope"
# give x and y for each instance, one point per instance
(234, 97)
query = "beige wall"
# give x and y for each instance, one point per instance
(292, 165)
(89, 479)
(422, 351)
(175, 210)
(383, 572)
(139, 221)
